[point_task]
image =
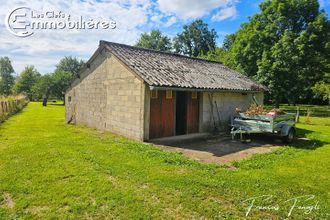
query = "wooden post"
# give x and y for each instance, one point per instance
(308, 114)
(297, 115)
(1, 111)
(6, 107)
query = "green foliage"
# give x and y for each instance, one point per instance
(55, 84)
(60, 82)
(322, 89)
(71, 65)
(285, 47)
(43, 86)
(16, 104)
(195, 40)
(6, 76)
(66, 71)
(26, 81)
(154, 40)
(219, 54)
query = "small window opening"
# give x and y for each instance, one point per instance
(194, 95)
(69, 98)
(168, 94)
(154, 94)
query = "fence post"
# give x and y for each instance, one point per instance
(6, 107)
(1, 111)
(9, 107)
(297, 115)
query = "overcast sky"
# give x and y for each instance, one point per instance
(46, 47)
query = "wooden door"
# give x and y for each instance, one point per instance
(192, 112)
(181, 113)
(161, 115)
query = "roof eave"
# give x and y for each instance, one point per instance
(203, 89)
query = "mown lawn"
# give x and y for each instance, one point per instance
(51, 170)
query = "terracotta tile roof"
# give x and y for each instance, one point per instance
(172, 70)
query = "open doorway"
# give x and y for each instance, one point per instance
(181, 113)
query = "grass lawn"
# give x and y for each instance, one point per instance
(51, 170)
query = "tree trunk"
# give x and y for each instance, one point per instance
(277, 103)
(45, 99)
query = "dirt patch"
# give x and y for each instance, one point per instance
(114, 180)
(8, 201)
(220, 149)
(37, 210)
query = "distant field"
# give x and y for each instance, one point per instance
(51, 170)
(316, 110)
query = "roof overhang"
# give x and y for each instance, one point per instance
(202, 89)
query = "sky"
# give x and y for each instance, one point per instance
(44, 48)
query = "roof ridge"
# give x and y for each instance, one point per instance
(160, 52)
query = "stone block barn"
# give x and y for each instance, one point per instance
(145, 94)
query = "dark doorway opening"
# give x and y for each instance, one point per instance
(181, 113)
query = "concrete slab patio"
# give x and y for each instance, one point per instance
(218, 149)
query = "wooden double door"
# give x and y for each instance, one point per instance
(173, 113)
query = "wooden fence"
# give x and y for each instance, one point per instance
(10, 106)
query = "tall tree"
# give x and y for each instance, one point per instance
(195, 40)
(71, 65)
(42, 89)
(56, 83)
(154, 40)
(60, 82)
(26, 80)
(6, 76)
(285, 47)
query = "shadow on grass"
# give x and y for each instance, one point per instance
(55, 103)
(302, 142)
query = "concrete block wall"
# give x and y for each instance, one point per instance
(125, 101)
(89, 97)
(108, 97)
(226, 102)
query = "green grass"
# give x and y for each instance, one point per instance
(51, 170)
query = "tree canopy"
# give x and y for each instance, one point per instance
(285, 47)
(195, 40)
(154, 40)
(56, 83)
(26, 80)
(6, 76)
(70, 65)
(43, 87)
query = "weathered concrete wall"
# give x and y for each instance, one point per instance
(146, 112)
(108, 97)
(125, 102)
(88, 97)
(226, 102)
